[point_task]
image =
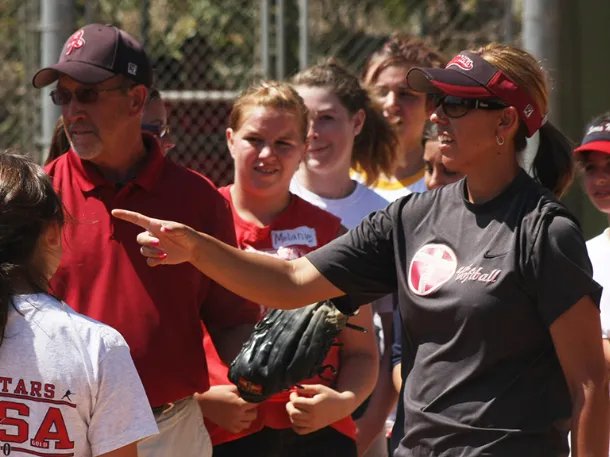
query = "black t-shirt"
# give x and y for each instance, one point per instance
(479, 286)
(398, 356)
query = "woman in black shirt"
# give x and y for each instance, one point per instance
(492, 274)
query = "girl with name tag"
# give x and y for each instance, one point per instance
(267, 140)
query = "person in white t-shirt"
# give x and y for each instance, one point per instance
(348, 130)
(593, 155)
(385, 72)
(68, 385)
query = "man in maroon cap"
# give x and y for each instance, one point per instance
(103, 76)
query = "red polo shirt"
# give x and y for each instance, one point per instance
(104, 276)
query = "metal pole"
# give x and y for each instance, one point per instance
(265, 38)
(508, 22)
(89, 12)
(541, 38)
(280, 60)
(145, 27)
(303, 34)
(56, 25)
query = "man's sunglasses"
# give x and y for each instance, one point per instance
(158, 130)
(457, 106)
(85, 95)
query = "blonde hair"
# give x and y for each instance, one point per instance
(401, 50)
(375, 147)
(270, 94)
(553, 165)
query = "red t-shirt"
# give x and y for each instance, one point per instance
(104, 276)
(300, 229)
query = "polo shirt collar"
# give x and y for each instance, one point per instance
(88, 177)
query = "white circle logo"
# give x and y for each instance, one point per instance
(432, 266)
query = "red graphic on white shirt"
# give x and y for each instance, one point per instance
(23, 429)
(284, 253)
(432, 266)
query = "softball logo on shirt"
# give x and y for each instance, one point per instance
(432, 266)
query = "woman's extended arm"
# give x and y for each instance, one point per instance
(262, 279)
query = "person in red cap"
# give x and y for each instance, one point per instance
(103, 78)
(593, 155)
(495, 287)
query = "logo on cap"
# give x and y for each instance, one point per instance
(528, 111)
(462, 61)
(76, 41)
(432, 266)
(603, 127)
(132, 68)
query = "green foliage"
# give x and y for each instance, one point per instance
(215, 44)
(212, 38)
(14, 80)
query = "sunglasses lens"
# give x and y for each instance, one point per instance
(61, 96)
(454, 106)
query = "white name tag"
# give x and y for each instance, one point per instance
(301, 235)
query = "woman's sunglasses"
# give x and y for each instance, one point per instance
(158, 130)
(455, 107)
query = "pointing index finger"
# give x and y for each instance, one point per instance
(135, 218)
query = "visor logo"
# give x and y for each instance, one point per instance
(462, 61)
(76, 41)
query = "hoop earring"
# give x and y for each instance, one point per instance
(500, 140)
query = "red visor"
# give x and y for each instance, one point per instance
(468, 75)
(595, 146)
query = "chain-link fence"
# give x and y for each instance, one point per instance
(19, 56)
(351, 30)
(205, 51)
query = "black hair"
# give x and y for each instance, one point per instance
(430, 133)
(553, 166)
(28, 203)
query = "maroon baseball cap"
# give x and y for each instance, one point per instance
(597, 138)
(96, 53)
(468, 75)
